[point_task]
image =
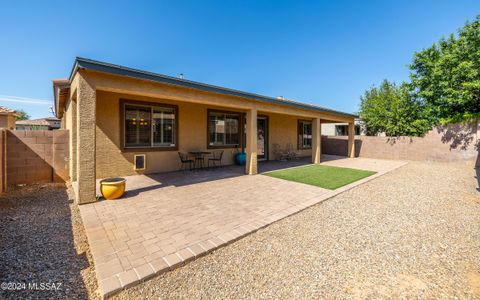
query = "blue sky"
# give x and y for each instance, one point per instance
(325, 53)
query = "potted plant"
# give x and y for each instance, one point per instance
(112, 188)
(240, 157)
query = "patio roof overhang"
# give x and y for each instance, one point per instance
(61, 91)
(112, 69)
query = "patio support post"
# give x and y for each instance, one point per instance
(86, 123)
(316, 140)
(251, 139)
(351, 140)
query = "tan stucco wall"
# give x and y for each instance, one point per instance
(7, 121)
(69, 121)
(283, 130)
(3, 121)
(192, 120)
(11, 121)
(107, 90)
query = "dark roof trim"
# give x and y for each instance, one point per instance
(88, 64)
(58, 86)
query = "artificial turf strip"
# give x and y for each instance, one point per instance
(326, 177)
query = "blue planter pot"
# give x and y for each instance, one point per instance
(241, 159)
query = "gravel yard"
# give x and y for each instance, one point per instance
(42, 241)
(413, 233)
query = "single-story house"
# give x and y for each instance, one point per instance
(50, 123)
(114, 114)
(341, 129)
(8, 117)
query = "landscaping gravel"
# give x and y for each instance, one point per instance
(413, 233)
(43, 248)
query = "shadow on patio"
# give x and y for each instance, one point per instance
(137, 184)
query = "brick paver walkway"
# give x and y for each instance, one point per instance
(165, 220)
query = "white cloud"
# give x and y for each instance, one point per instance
(15, 99)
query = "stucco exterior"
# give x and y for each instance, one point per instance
(49, 123)
(192, 120)
(92, 114)
(69, 122)
(7, 121)
(330, 129)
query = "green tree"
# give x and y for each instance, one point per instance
(391, 109)
(22, 115)
(446, 76)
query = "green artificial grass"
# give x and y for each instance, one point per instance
(326, 177)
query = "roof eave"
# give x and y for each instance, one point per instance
(58, 86)
(83, 63)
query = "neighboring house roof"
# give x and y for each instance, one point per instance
(357, 121)
(37, 122)
(89, 64)
(5, 110)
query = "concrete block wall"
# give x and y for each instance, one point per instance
(2, 160)
(36, 156)
(457, 142)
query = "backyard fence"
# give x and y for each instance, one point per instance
(33, 156)
(458, 142)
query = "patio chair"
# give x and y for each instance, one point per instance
(185, 161)
(291, 154)
(279, 153)
(216, 158)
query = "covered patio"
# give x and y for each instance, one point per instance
(168, 219)
(124, 121)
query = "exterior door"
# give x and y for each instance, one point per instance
(262, 138)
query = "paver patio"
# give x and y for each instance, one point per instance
(165, 220)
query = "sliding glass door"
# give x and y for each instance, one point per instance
(262, 138)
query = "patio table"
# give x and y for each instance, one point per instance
(200, 157)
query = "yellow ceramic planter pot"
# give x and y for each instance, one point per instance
(112, 188)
